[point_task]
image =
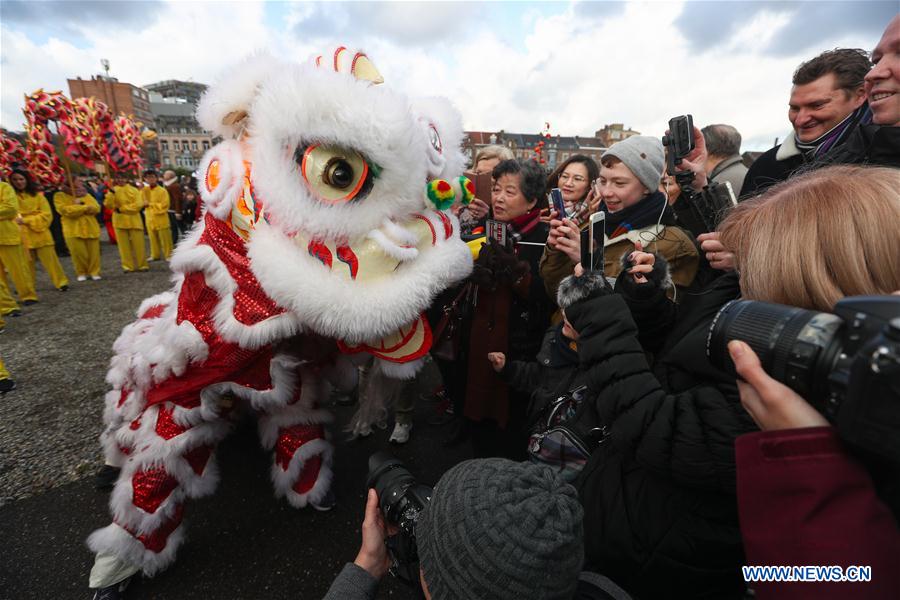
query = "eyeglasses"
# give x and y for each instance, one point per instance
(574, 178)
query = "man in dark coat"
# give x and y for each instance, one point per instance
(878, 143)
(827, 103)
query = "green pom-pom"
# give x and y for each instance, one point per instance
(440, 193)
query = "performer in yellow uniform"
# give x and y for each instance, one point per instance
(159, 230)
(126, 203)
(78, 210)
(12, 256)
(8, 305)
(6, 382)
(34, 219)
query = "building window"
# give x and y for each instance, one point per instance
(175, 146)
(205, 145)
(164, 145)
(194, 145)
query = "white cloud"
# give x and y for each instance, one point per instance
(509, 67)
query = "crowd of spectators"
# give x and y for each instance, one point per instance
(695, 473)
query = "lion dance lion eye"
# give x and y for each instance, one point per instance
(335, 174)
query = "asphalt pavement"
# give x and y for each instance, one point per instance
(241, 542)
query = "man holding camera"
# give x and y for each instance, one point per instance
(493, 529)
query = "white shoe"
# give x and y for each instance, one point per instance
(401, 433)
(81, 278)
(96, 277)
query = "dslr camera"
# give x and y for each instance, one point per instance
(401, 499)
(846, 364)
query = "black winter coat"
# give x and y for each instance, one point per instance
(767, 171)
(660, 507)
(553, 373)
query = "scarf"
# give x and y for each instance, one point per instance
(637, 216)
(564, 351)
(836, 135)
(525, 223)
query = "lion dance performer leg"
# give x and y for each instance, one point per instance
(317, 242)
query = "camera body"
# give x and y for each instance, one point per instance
(401, 499)
(846, 363)
(679, 142)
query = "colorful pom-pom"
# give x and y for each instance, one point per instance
(440, 193)
(468, 190)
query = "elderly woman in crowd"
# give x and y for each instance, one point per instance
(511, 309)
(660, 508)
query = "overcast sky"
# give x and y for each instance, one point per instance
(511, 65)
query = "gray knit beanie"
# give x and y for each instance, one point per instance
(497, 529)
(644, 156)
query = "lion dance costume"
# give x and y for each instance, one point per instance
(326, 233)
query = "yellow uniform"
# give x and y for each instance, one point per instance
(156, 199)
(7, 303)
(4, 374)
(12, 255)
(36, 219)
(126, 203)
(81, 230)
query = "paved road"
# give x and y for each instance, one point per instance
(242, 543)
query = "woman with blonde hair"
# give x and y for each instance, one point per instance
(660, 496)
(851, 247)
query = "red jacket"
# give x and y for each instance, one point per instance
(803, 501)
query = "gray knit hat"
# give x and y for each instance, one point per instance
(498, 529)
(644, 156)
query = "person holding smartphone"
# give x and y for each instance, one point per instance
(636, 213)
(575, 178)
(511, 310)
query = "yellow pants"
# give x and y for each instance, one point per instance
(47, 256)
(132, 250)
(160, 243)
(7, 303)
(4, 374)
(85, 255)
(14, 263)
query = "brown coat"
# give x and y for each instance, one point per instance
(174, 190)
(672, 242)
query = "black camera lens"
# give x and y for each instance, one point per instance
(391, 480)
(795, 346)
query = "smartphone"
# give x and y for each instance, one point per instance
(680, 140)
(498, 231)
(597, 237)
(592, 249)
(556, 202)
